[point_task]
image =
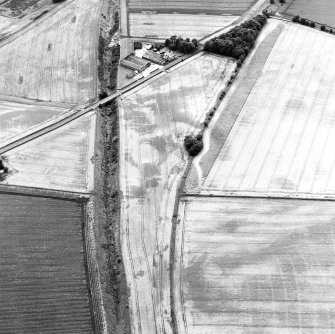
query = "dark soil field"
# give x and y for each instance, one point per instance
(321, 11)
(43, 284)
(21, 7)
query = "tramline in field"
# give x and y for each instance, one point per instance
(56, 59)
(282, 139)
(251, 265)
(43, 283)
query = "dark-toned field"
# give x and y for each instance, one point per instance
(21, 7)
(321, 11)
(43, 284)
(233, 7)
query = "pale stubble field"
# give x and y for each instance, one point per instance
(282, 139)
(255, 265)
(56, 58)
(153, 122)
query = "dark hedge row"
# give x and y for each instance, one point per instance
(237, 42)
(180, 44)
(309, 23)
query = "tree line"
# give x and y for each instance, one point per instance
(238, 41)
(180, 44)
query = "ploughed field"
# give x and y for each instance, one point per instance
(61, 159)
(234, 7)
(282, 140)
(56, 58)
(153, 122)
(321, 11)
(163, 26)
(43, 284)
(255, 266)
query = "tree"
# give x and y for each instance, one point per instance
(238, 52)
(296, 18)
(323, 28)
(195, 42)
(193, 144)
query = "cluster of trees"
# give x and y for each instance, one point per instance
(309, 23)
(193, 144)
(237, 42)
(186, 45)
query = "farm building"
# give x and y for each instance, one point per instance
(134, 63)
(154, 57)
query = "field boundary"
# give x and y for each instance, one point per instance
(44, 192)
(92, 270)
(269, 195)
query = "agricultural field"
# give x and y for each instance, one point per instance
(43, 284)
(282, 139)
(162, 26)
(321, 11)
(56, 58)
(18, 118)
(62, 159)
(153, 122)
(255, 266)
(20, 8)
(232, 7)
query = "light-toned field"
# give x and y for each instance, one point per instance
(255, 266)
(235, 7)
(62, 159)
(321, 11)
(56, 59)
(282, 139)
(162, 26)
(153, 122)
(43, 284)
(17, 118)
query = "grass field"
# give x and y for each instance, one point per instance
(282, 139)
(56, 59)
(153, 122)
(321, 11)
(162, 26)
(17, 118)
(61, 159)
(255, 266)
(233, 7)
(42, 275)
